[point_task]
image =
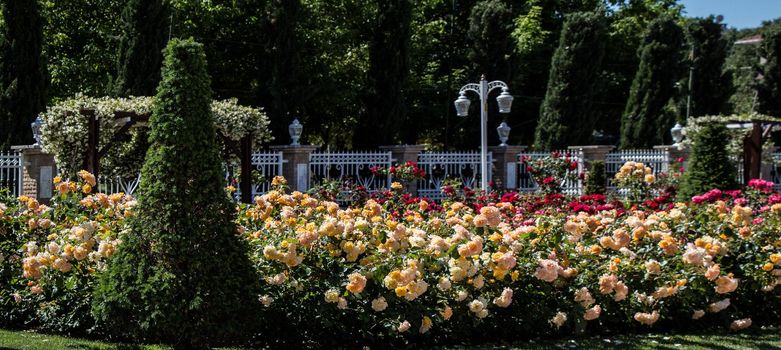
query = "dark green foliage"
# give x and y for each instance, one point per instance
(23, 77)
(769, 87)
(182, 275)
(144, 33)
(388, 71)
(596, 182)
(711, 84)
(709, 165)
(566, 115)
(645, 122)
(490, 25)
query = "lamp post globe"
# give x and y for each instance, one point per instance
(462, 105)
(505, 101)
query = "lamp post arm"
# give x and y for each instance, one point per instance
(471, 87)
(496, 84)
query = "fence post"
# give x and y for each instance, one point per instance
(506, 163)
(38, 170)
(674, 153)
(592, 152)
(296, 166)
(402, 154)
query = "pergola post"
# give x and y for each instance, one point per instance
(91, 163)
(245, 182)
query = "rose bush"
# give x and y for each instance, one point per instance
(396, 269)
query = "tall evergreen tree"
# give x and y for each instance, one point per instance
(645, 122)
(388, 72)
(23, 77)
(566, 116)
(769, 86)
(490, 39)
(282, 54)
(711, 84)
(182, 275)
(145, 24)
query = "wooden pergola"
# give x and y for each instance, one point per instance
(243, 148)
(752, 144)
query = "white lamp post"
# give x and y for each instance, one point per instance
(505, 101)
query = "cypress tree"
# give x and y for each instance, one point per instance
(711, 85)
(388, 71)
(23, 77)
(709, 164)
(182, 275)
(490, 38)
(566, 116)
(769, 87)
(645, 122)
(144, 24)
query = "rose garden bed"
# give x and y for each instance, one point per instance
(398, 270)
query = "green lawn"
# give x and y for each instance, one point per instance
(758, 339)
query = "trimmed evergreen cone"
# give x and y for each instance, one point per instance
(182, 276)
(566, 115)
(596, 183)
(709, 164)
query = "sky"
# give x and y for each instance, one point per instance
(737, 13)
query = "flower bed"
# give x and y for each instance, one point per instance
(410, 270)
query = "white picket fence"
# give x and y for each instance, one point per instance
(11, 171)
(463, 167)
(657, 160)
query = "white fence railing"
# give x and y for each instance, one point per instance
(527, 184)
(350, 167)
(11, 171)
(442, 166)
(267, 165)
(126, 185)
(657, 160)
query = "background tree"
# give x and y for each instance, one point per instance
(145, 29)
(769, 86)
(23, 76)
(709, 163)
(83, 36)
(711, 84)
(645, 122)
(566, 116)
(387, 75)
(182, 275)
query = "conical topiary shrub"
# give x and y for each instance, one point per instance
(182, 276)
(709, 164)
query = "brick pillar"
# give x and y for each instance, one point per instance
(296, 166)
(505, 175)
(674, 152)
(38, 172)
(402, 154)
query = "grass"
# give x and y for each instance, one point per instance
(758, 339)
